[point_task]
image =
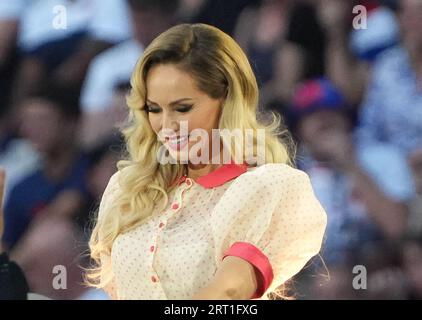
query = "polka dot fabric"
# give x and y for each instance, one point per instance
(177, 252)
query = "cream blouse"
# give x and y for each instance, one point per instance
(267, 215)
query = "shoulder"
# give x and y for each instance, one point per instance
(113, 184)
(110, 193)
(271, 170)
(273, 175)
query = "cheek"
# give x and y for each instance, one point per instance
(206, 120)
(155, 122)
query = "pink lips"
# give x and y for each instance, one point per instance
(177, 143)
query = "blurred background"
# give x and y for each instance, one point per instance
(348, 85)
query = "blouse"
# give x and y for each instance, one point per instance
(267, 215)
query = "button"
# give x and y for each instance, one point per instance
(188, 182)
(161, 225)
(151, 249)
(154, 279)
(182, 179)
(175, 206)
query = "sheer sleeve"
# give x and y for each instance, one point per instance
(271, 218)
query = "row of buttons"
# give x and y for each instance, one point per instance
(174, 206)
(152, 248)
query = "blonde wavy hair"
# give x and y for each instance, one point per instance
(221, 69)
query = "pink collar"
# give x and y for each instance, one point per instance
(220, 175)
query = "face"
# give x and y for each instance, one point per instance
(319, 127)
(42, 125)
(173, 100)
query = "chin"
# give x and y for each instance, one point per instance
(180, 157)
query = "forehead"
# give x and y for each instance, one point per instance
(167, 82)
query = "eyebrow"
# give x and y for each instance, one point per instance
(173, 103)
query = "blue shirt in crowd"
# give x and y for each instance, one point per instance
(392, 109)
(33, 193)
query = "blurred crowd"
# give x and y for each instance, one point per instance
(347, 82)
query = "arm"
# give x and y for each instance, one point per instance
(288, 70)
(245, 27)
(345, 72)
(235, 280)
(342, 69)
(110, 288)
(389, 214)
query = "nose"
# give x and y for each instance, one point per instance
(169, 122)
(169, 125)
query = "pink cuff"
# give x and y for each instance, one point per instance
(258, 259)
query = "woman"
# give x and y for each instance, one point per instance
(216, 229)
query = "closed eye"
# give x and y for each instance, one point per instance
(184, 108)
(152, 109)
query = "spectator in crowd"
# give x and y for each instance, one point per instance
(261, 31)
(392, 109)
(364, 204)
(58, 38)
(310, 40)
(17, 157)
(49, 120)
(292, 51)
(41, 209)
(113, 68)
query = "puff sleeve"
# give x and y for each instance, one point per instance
(271, 218)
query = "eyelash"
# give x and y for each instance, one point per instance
(183, 109)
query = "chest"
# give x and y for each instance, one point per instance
(173, 253)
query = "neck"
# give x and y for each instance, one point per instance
(195, 171)
(199, 170)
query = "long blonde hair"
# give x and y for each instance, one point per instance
(221, 69)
